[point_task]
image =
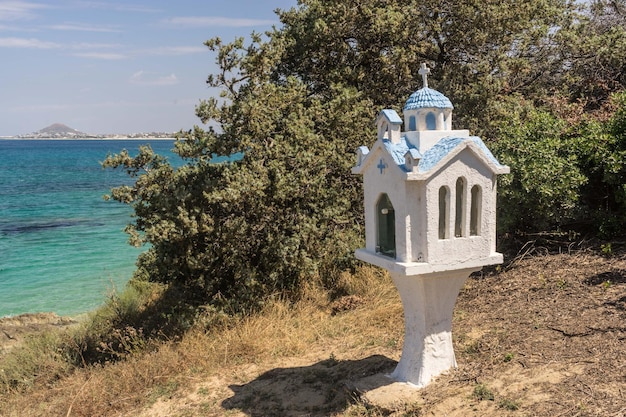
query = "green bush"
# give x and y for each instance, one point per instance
(602, 152)
(37, 359)
(296, 104)
(564, 176)
(542, 191)
(232, 234)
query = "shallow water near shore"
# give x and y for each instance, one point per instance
(62, 247)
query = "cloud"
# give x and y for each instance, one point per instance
(87, 45)
(16, 28)
(160, 51)
(213, 21)
(120, 7)
(41, 107)
(79, 27)
(109, 56)
(175, 50)
(19, 10)
(27, 43)
(33, 43)
(146, 78)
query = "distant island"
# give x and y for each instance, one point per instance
(61, 131)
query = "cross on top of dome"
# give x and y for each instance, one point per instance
(424, 71)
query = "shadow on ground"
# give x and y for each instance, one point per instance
(320, 389)
(607, 278)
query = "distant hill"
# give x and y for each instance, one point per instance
(59, 130)
(56, 131)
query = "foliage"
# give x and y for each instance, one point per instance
(482, 392)
(564, 173)
(542, 189)
(479, 50)
(131, 321)
(296, 103)
(602, 150)
(593, 51)
(37, 360)
(237, 232)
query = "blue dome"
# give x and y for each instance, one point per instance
(427, 97)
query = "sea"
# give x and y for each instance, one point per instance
(62, 246)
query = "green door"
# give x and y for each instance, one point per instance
(386, 227)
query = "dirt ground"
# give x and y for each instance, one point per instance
(544, 335)
(14, 330)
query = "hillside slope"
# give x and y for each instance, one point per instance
(544, 337)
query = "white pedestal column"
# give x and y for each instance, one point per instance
(428, 302)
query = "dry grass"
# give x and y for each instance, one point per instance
(545, 337)
(304, 330)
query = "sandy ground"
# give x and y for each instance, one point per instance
(544, 337)
(14, 330)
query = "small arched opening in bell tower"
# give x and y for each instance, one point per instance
(384, 130)
(386, 227)
(431, 121)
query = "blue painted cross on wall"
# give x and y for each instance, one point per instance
(381, 165)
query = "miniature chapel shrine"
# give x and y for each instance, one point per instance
(430, 191)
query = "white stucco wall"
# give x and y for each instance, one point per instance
(416, 205)
(459, 250)
(391, 183)
(426, 139)
(416, 191)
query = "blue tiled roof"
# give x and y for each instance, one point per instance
(435, 154)
(427, 97)
(398, 150)
(445, 146)
(415, 153)
(392, 116)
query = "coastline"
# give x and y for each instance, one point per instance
(90, 138)
(15, 329)
(52, 209)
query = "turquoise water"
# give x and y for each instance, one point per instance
(62, 247)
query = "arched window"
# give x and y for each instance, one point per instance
(475, 211)
(459, 215)
(444, 212)
(431, 121)
(412, 124)
(386, 227)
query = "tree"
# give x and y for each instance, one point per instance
(286, 212)
(568, 168)
(602, 153)
(543, 189)
(480, 51)
(592, 54)
(297, 103)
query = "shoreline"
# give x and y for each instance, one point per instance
(35, 318)
(15, 329)
(78, 139)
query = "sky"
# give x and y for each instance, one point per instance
(120, 66)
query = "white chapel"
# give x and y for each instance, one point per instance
(430, 191)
